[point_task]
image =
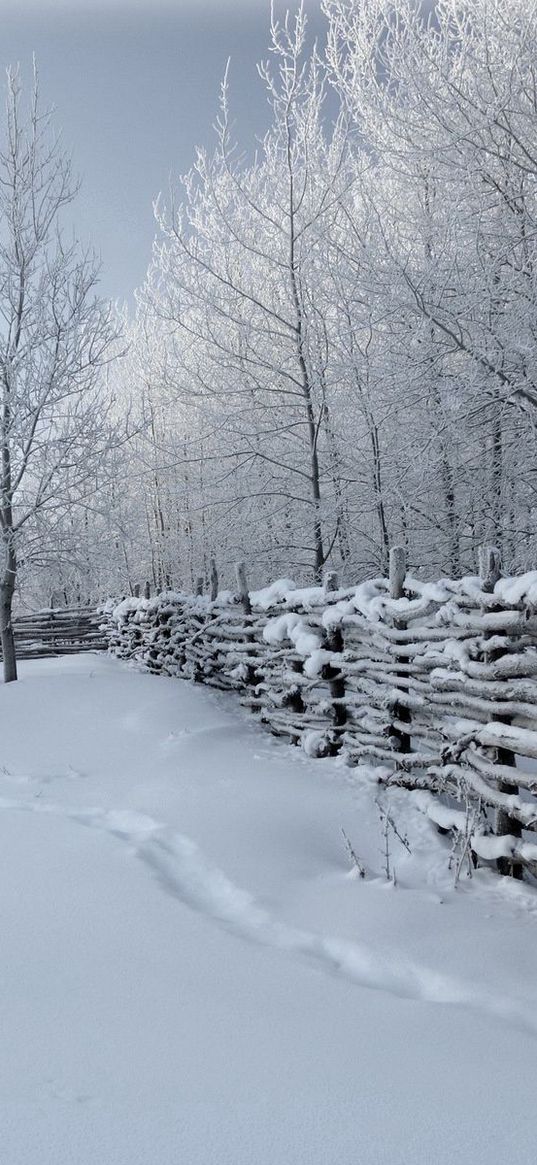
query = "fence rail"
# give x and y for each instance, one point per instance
(435, 683)
(63, 631)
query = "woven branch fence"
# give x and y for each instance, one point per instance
(434, 683)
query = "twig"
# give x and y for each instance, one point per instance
(353, 855)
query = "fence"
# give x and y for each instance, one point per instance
(58, 632)
(436, 683)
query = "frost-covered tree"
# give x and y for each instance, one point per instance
(446, 102)
(55, 338)
(335, 345)
(236, 283)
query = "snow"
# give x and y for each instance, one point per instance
(516, 590)
(315, 743)
(192, 971)
(127, 607)
(295, 628)
(442, 815)
(285, 592)
(316, 661)
(505, 846)
(279, 591)
(492, 848)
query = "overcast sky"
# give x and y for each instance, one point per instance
(135, 88)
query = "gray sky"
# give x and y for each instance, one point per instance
(135, 88)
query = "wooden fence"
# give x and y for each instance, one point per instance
(62, 631)
(435, 683)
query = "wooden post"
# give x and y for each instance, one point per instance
(213, 580)
(397, 586)
(136, 590)
(490, 567)
(331, 581)
(244, 598)
(240, 571)
(147, 590)
(199, 585)
(333, 641)
(397, 571)
(490, 570)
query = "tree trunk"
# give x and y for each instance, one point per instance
(378, 492)
(497, 479)
(7, 588)
(312, 426)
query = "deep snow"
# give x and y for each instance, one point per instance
(192, 973)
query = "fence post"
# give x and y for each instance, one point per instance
(244, 597)
(490, 570)
(240, 571)
(490, 567)
(397, 584)
(397, 571)
(147, 590)
(330, 581)
(199, 585)
(333, 641)
(213, 580)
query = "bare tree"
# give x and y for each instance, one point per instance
(55, 338)
(447, 107)
(234, 278)
(336, 340)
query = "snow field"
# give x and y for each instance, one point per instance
(251, 999)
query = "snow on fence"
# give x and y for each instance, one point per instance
(56, 631)
(434, 682)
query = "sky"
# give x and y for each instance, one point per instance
(134, 85)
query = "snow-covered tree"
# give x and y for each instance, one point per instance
(335, 346)
(56, 414)
(235, 283)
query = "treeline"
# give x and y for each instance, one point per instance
(334, 350)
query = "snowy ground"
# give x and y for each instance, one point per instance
(191, 973)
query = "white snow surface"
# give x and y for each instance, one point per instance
(192, 972)
(295, 628)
